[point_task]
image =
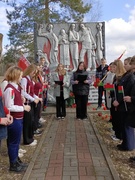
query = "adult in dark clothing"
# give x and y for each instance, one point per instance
(127, 81)
(130, 101)
(81, 90)
(101, 72)
(116, 121)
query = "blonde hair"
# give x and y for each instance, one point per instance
(13, 74)
(37, 74)
(120, 70)
(62, 71)
(31, 68)
(7, 72)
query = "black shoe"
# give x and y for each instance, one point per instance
(21, 163)
(39, 125)
(85, 119)
(99, 107)
(110, 121)
(132, 159)
(17, 167)
(37, 133)
(119, 146)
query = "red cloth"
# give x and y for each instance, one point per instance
(61, 77)
(6, 110)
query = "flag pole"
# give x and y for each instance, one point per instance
(121, 55)
(124, 101)
(115, 96)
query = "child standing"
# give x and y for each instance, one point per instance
(13, 101)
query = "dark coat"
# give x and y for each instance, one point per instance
(80, 88)
(127, 81)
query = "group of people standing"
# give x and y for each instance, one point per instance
(24, 94)
(119, 90)
(80, 81)
(22, 116)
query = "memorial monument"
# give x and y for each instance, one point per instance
(70, 43)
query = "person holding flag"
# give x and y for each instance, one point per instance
(108, 86)
(119, 70)
(130, 100)
(101, 73)
(125, 86)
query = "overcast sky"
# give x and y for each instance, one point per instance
(119, 17)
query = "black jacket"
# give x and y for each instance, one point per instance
(80, 88)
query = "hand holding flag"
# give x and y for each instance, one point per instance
(121, 90)
(40, 92)
(96, 82)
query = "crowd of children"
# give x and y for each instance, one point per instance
(20, 110)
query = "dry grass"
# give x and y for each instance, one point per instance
(120, 159)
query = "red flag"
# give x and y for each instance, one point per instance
(23, 63)
(44, 87)
(40, 91)
(120, 89)
(96, 82)
(109, 87)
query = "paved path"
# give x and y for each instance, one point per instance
(70, 150)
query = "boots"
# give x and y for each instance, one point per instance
(17, 167)
(21, 163)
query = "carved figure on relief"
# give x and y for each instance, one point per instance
(93, 53)
(64, 48)
(73, 46)
(53, 39)
(99, 42)
(85, 38)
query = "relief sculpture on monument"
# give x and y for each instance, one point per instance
(70, 43)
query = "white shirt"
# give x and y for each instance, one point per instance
(9, 101)
(24, 93)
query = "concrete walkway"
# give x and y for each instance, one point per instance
(70, 150)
